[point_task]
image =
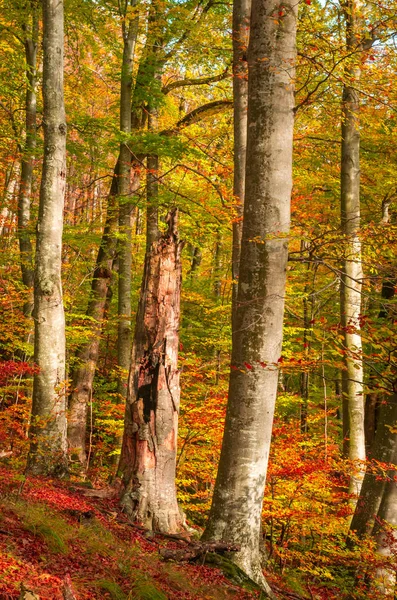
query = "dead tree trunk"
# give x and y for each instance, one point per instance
(48, 447)
(148, 456)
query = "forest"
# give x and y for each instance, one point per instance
(198, 368)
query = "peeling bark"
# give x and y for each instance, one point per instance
(48, 448)
(148, 457)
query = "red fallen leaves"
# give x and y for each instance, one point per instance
(57, 498)
(26, 557)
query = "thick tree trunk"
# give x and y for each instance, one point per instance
(148, 457)
(48, 448)
(235, 515)
(241, 24)
(25, 190)
(352, 274)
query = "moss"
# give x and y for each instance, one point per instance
(231, 571)
(145, 590)
(96, 539)
(112, 588)
(43, 523)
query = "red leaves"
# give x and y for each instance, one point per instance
(12, 368)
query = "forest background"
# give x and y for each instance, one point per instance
(182, 144)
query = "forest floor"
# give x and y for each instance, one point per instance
(55, 541)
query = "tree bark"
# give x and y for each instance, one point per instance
(352, 274)
(130, 32)
(384, 451)
(25, 190)
(148, 457)
(385, 535)
(87, 354)
(48, 448)
(241, 23)
(235, 515)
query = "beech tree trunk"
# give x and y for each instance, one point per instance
(385, 535)
(235, 515)
(87, 354)
(148, 457)
(48, 448)
(241, 23)
(384, 451)
(352, 274)
(25, 190)
(124, 250)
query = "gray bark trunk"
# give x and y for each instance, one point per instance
(352, 274)
(385, 534)
(241, 22)
(25, 191)
(48, 448)
(130, 31)
(373, 487)
(87, 354)
(236, 509)
(148, 457)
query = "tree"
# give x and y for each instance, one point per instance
(130, 23)
(27, 163)
(352, 273)
(241, 21)
(236, 507)
(148, 456)
(48, 449)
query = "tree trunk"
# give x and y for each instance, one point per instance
(241, 23)
(235, 515)
(124, 249)
(384, 451)
(148, 457)
(352, 274)
(25, 190)
(48, 448)
(217, 285)
(87, 354)
(385, 532)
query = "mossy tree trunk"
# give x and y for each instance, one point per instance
(237, 503)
